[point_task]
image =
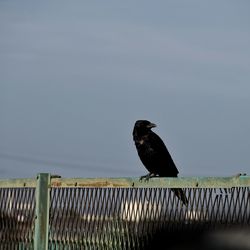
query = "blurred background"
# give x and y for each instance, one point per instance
(76, 75)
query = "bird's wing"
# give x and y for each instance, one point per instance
(161, 156)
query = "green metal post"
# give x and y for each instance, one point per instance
(42, 212)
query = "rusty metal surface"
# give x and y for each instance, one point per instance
(185, 182)
(17, 183)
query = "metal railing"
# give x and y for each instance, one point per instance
(115, 213)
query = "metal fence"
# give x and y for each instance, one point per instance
(116, 213)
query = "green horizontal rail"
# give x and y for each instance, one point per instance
(18, 183)
(129, 182)
(180, 182)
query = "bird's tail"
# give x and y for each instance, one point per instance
(181, 195)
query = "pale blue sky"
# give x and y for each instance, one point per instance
(76, 75)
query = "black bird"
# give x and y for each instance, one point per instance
(154, 155)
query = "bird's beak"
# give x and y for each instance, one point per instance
(151, 125)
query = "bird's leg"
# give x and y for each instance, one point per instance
(148, 176)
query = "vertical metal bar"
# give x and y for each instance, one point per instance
(42, 212)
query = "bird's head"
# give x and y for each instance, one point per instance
(143, 127)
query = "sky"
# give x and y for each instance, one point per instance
(76, 75)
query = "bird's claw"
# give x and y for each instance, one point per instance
(147, 177)
(144, 178)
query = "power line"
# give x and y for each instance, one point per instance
(30, 159)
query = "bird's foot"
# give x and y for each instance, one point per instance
(147, 176)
